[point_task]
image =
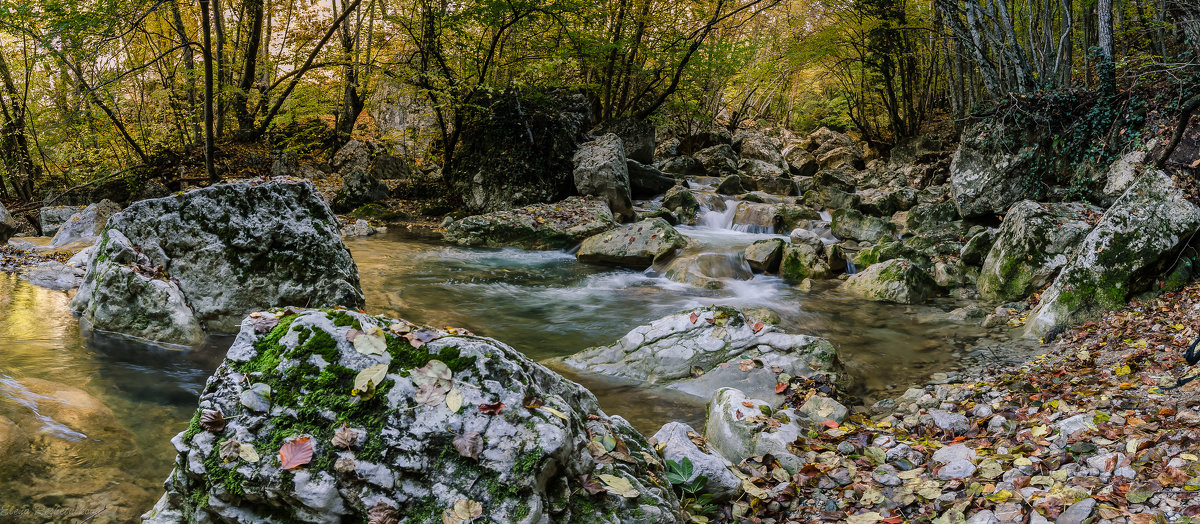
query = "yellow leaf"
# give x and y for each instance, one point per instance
(1022, 461)
(619, 486)
(870, 517)
(1121, 370)
(1040, 430)
(454, 400)
(555, 412)
(1188, 456)
(247, 452)
(370, 376)
(754, 491)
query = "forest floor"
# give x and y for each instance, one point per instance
(1090, 427)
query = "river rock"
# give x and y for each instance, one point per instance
(737, 428)
(1130, 244)
(645, 181)
(778, 185)
(758, 169)
(985, 178)
(850, 223)
(1123, 172)
(884, 202)
(401, 451)
(756, 218)
(977, 248)
(601, 171)
(86, 225)
(896, 280)
(14, 445)
(637, 137)
(675, 441)
(1035, 240)
(682, 202)
(637, 245)
(517, 149)
(8, 225)
(820, 408)
(846, 157)
(359, 229)
(700, 140)
(929, 217)
(764, 255)
(888, 249)
(371, 158)
(708, 270)
(730, 185)
(698, 357)
(54, 275)
(801, 162)
(681, 166)
(53, 217)
(718, 160)
(166, 267)
(804, 260)
(560, 225)
(753, 145)
(359, 188)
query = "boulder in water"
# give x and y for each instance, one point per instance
(702, 350)
(719, 160)
(708, 270)
(459, 422)
(804, 260)
(170, 268)
(730, 185)
(756, 218)
(601, 171)
(638, 245)
(850, 223)
(54, 275)
(86, 225)
(1034, 242)
(896, 280)
(888, 249)
(359, 188)
(54, 217)
(646, 181)
(682, 202)
(1134, 241)
(764, 255)
(560, 225)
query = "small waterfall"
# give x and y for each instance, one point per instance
(718, 219)
(850, 269)
(752, 217)
(825, 215)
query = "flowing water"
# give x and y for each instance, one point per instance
(544, 304)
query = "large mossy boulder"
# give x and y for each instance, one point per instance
(929, 217)
(896, 280)
(560, 225)
(889, 249)
(601, 171)
(638, 245)
(989, 171)
(381, 421)
(516, 150)
(682, 202)
(86, 225)
(805, 259)
(1034, 242)
(1133, 242)
(359, 188)
(169, 269)
(699, 351)
(764, 255)
(850, 223)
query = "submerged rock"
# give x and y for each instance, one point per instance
(702, 350)
(637, 245)
(601, 171)
(462, 421)
(169, 269)
(1034, 242)
(1127, 248)
(896, 280)
(560, 225)
(708, 270)
(54, 275)
(86, 225)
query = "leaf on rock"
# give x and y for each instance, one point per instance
(694, 317)
(533, 402)
(619, 486)
(264, 324)
(368, 379)
(371, 342)
(345, 438)
(758, 326)
(420, 337)
(555, 412)
(248, 453)
(400, 328)
(746, 365)
(212, 420)
(870, 517)
(465, 510)
(258, 397)
(454, 400)
(229, 450)
(469, 444)
(382, 513)
(434, 371)
(296, 453)
(491, 409)
(591, 485)
(754, 491)
(431, 394)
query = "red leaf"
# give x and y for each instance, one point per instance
(758, 326)
(780, 387)
(694, 317)
(711, 320)
(893, 520)
(296, 453)
(491, 409)
(747, 403)
(830, 424)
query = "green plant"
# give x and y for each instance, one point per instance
(696, 505)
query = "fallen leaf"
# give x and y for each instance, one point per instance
(533, 402)
(555, 412)
(870, 517)
(248, 453)
(465, 510)
(368, 379)
(229, 450)
(746, 365)
(296, 453)
(371, 342)
(212, 420)
(382, 513)
(469, 444)
(619, 486)
(345, 438)
(694, 317)
(264, 324)
(420, 337)
(491, 409)
(780, 387)
(454, 400)
(758, 326)
(591, 485)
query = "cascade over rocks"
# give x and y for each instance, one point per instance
(516, 150)
(447, 423)
(637, 245)
(1133, 241)
(601, 171)
(170, 268)
(707, 270)
(560, 225)
(896, 280)
(1034, 242)
(701, 356)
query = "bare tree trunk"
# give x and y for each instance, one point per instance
(189, 66)
(209, 147)
(219, 25)
(1106, 69)
(241, 101)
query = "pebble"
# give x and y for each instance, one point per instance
(984, 517)
(952, 453)
(1077, 513)
(956, 469)
(950, 421)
